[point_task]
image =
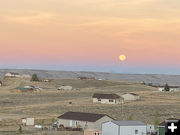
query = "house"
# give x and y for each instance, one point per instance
(83, 120)
(130, 96)
(86, 78)
(12, 74)
(161, 126)
(171, 88)
(46, 80)
(124, 128)
(107, 98)
(92, 132)
(0, 83)
(28, 121)
(65, 88)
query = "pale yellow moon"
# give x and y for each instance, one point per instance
(122, 57)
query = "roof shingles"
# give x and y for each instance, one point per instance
(106, 96)
(129, 123)
(90, 117)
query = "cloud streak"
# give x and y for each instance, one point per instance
(84, 30)
(34, 19)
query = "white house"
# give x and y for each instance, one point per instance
(124, 128)
(28, 121)
(65, 88)
(130, 96)
(83, 120)
(171, 88)
(12, 74)
(107, 98)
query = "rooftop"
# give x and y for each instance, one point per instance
(132, 94)
(106, 96)
(129, 123)
(164, 122)
(90, 117)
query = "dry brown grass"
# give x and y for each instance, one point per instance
(48, 104)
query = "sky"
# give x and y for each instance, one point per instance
(89, 35)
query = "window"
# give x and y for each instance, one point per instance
(136, 131)
(99, 100)
(111, 100)
(96, 133)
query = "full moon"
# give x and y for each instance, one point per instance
(122, 57)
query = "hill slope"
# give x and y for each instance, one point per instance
(148, 78)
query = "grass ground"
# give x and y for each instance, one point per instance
(48, 104)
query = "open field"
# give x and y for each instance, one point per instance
(48, 104)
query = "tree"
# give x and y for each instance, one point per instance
(130, 117)
(150, 84)
(156, 119)
(34, 78)
(166, 88)
(20, 129)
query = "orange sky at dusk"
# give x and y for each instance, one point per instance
(90, 32)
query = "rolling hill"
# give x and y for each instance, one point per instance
(148, 78)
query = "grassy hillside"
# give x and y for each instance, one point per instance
(48, 104)
(148, 78)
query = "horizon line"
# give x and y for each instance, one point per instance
(89, 71)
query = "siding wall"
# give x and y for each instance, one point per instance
(76, 124)
(90, 125)
(98, 124)
(130, 97)
(110, 128)
(130, 130)
(106, 101)
(92, 132)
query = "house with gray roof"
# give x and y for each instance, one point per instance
(124, 127)
(107, 98)
(82, 120)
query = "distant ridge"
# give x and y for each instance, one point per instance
(147, 78)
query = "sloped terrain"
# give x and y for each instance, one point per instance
(148, 78)
(49, 103)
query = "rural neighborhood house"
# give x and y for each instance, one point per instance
(83, 120)
(124, 128)
(12, 74)
(65, 88)
(131, 96)
(28, 121)
(107, 98)
(171, 88)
